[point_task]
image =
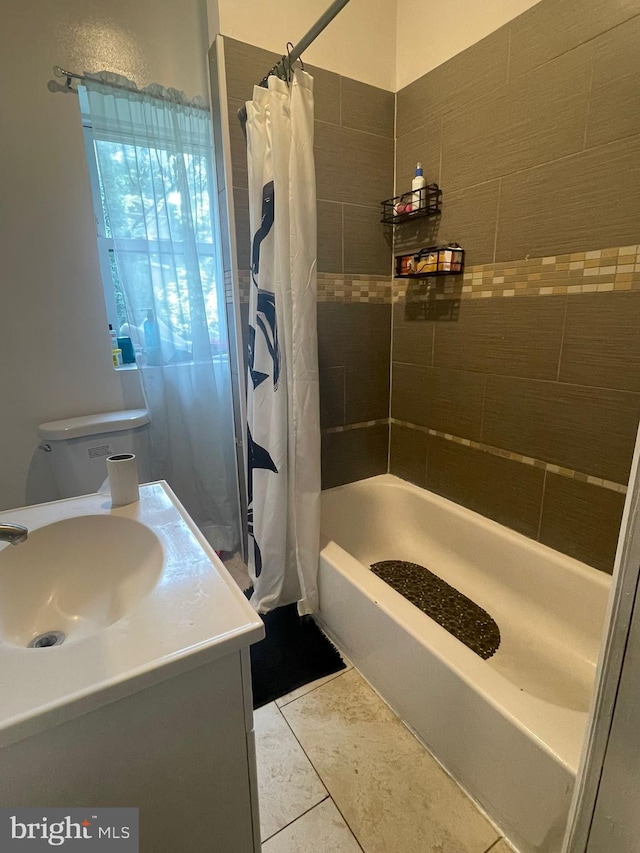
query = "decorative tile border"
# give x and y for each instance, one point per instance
(518, 457)
(354, 288)
(602, 270)
(348, 427)
(244, 283)
(335, 287)
(228, 287)
(598, 271)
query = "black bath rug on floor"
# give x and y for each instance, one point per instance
(463, 618)
(293, 653)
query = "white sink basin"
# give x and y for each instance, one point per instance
(75, 577)
(137, 591)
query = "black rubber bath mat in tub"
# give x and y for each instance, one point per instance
(463, 618)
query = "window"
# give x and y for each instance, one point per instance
(149, 202)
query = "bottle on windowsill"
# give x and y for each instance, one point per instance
(152, 339)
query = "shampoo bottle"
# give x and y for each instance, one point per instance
(418, 184)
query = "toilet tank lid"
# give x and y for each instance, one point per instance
(104, 422)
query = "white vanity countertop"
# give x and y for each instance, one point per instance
(194, 614)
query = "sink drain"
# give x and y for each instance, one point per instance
(50, 638)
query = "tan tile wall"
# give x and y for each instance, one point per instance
(534, 136)
(535, 156)
(524, 409)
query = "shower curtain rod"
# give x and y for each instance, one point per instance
(71, 75)
(283, 67)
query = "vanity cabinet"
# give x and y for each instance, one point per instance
(182, 751)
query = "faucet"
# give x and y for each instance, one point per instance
(14, 534)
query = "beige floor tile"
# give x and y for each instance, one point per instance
(287, 783)
(307, 688)
(392, 793)
(322, 829)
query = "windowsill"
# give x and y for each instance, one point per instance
(220, 358)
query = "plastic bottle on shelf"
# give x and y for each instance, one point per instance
(152, 339)
(418, 184)
(114, 337)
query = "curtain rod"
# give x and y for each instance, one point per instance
(71, 75)
(283, 67)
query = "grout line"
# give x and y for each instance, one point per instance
(342, 234)
(484, 402)
(426, 462)
(328, 678)
(305, 812)
(580, 44)
(347, 824)
(546, 163)
(310, 760)
(433, 345)
(353, 129)
(586, 122)
(564, 328)
(494, 845)
(395, 142)
(315, 769)
(495, 236)
(390, 391)
(514, 456)
(509, 376)
(441, 147)
(308, 757)
(343, 368)
(544, 486)
(392, 264)
(361, 425)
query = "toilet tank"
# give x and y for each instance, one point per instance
(79, 447)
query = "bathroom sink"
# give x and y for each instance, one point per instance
(74, 577)
(100, 603)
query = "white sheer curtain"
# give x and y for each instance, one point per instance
(282, 404)
(157, 184)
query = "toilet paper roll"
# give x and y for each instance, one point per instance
(122, 471)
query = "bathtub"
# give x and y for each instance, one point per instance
(508, 729)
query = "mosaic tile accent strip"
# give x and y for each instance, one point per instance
(347, 427)
(228, 287)
(354, 288)
(459, 615)
(601, 270)
(244, 284)
(334, 287)
(518, 457)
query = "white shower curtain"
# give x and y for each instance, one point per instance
(282, 396)
(153, 154)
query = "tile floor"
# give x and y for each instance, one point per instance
(338, 772)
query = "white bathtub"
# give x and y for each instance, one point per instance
(509, 729)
